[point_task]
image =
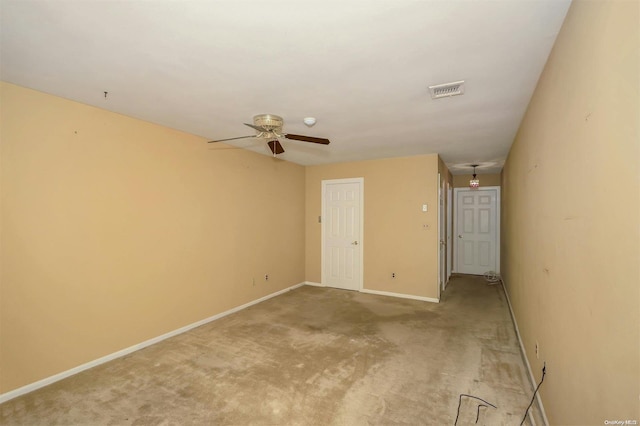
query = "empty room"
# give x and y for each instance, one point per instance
(319, 212)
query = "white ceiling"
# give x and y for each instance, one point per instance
(361, 67)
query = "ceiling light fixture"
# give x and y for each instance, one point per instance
(309, 121)
(475, 182)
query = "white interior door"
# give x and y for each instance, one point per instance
(478, 230)
(342, 208)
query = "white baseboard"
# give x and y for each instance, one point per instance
(401, 295)
(63, 375)
(383, 293)
(526, 359)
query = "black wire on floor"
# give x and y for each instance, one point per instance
(544, 372)
(478, 412)
(479, 405)
(544, 368)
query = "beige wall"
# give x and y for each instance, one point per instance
(115, 231)
(394, 237)
(571, 219)
(462, 181)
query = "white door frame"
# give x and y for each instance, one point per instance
(360, 181)
(449, 232)
(442, 255)
(455, 206)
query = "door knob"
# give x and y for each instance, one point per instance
(355, 243)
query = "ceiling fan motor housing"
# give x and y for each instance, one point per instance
(270, 122)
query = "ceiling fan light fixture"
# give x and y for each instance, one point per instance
(271, 123)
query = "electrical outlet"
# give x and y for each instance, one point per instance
(266, 277)
(393, 275)
(537, 350)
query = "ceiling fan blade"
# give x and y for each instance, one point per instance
(233, 139)
(258, 128)
(275, 146)
(307, 139)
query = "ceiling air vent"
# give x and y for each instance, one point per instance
(446, 90)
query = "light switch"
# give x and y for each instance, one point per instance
(424, 207)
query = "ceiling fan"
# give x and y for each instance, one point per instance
(269, 127)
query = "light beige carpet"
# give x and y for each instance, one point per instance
(312, 356)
